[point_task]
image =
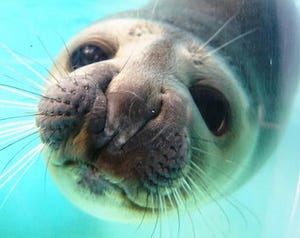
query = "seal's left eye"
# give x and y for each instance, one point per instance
(87, 54)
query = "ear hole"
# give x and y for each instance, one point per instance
(214, 108)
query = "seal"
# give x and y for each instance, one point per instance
(156, 110)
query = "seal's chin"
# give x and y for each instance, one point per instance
(88, 177)
(137, 172)
(92, 192)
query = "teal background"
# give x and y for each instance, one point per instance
(265, 207)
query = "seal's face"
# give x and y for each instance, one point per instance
(140, 117)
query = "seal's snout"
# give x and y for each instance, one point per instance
(62, 109)
(65, 104)
(119, 127)
(129, 110)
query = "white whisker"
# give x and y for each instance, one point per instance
(59, 70)
(217, 32)
(16, 107)
(160, 210)
(228, 43)
(178, 205)
(21, 61)
(12, 131)
(154, 7)
(153, 208)
(17, 103)
(23, 161)
(18, 91)
(19, 136)
(33, 160)
(22, 76)
(195, 186)
(14, 124)
(216, 192)
(204, 151)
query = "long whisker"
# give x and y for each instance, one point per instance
(49, 55)
(12, 131)
(187, 189)
(160, 209)
(194, 188)
(18, 138)
(144, 213)
(205, 152)
(218, 32)
(228, 43)
(156, 214)
(32, 159)
(16, 123)
(22, 76)
(18, 117)
(13, 104)
(201, 174)
(17, 153)
(21, 61)
(177, 205)
(20, 91)
(14, 169)
(155, 4)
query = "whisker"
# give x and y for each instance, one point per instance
(32, 160)
(154, 8)
(228, 43)
(49, 55)
(155, 201)
(16, 107)
(198, 138)
(23, 105)
(13, 170)
(165, 210)
(17, 153)
(20, 91)
(217, 32)
(144, 213)
(44, 79)
(18, 138)
(14, 124)
(21, 61)
(22, 76)
(160, 209)
(205, 152)
(69, 55)
(12, 131)
(187, 190)
(204, 219)
(18, 117)
(294, 210)
(201, 174)
(178, 214)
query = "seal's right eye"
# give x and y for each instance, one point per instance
(87, 54)
(214, 108)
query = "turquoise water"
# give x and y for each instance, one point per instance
(265, 207)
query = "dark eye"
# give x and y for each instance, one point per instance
(87, 54)
(213, 107)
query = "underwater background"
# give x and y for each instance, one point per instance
(268, 206)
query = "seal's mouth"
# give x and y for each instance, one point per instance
(89, 176)
(91, 179)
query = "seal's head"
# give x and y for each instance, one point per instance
(143, 118)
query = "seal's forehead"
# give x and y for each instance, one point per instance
(121, 31)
